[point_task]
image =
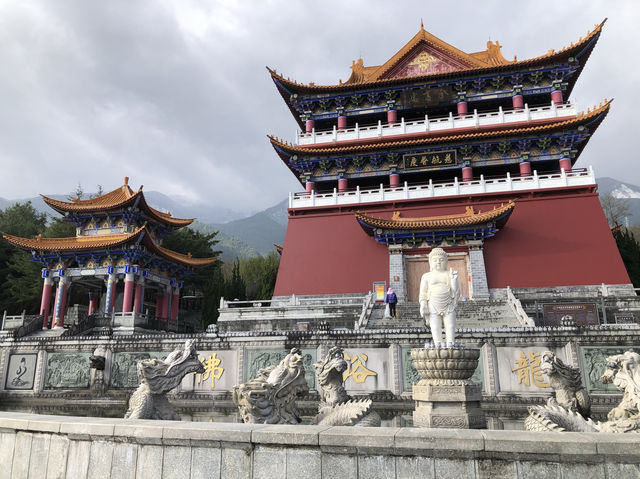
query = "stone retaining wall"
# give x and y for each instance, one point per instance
(76, 447)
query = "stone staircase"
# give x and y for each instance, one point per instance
(470, 314)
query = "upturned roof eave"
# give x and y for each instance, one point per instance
(548, 58)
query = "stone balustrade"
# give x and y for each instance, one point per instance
(80, 447)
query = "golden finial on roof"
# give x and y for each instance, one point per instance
(39, 237)
(189, 254)
(126, 180)
(421, 25)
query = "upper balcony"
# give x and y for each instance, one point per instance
(585, 177)
(444, 124)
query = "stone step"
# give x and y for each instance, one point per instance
(470, 314)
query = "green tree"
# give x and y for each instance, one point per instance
(188, 241)
(59, 228)
(630, 253)
(259, 274)
(235, 288)
(19, 284)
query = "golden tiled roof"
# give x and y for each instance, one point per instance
(92, 243)
(427, 138)
(491, 58)
(468, 218)
(74, 243)
(118, 198)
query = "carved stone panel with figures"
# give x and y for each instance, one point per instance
(67, 371)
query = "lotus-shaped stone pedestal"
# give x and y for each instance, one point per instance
(445, 396)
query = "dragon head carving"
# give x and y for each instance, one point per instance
(163, 376)
(329, 372)
(271, 397)
(623, 371)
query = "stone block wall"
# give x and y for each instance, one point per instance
(78, 448)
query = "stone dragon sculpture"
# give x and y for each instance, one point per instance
(271, 397)
(567, 384)
(157, 378)
(336, 407)
(623, 370)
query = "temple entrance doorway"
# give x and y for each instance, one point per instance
(416, 266)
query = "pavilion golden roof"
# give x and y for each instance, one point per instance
(468, 218)
(94, 243)
(427, 138)
(491, 58)
(119, 198)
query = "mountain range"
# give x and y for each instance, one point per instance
(256, 234)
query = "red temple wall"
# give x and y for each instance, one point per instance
(553, 238)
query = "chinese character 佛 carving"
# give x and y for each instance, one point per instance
(212, 369)
(357, 368)
(528, 370)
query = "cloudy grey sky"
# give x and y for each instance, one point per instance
(175, 95)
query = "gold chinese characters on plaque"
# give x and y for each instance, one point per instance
(527, 367)
(432, 160)
(357, 368)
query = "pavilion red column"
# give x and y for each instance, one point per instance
(175, 301)
(518, 102)
(60, 304)
(462, 108)
(310, 186)
(556, 93)
(342, 184)
(394, 180)
(392, 117)
(565, 163)
(165, 303)
(342, 122)
(467, 173)
(159, 298)
(138, 297)
(127, 302)
(93, 301)
(45, 303)
(525, 168)
(309, 126)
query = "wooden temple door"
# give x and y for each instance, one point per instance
(416, 266)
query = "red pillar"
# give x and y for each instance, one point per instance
(175, 301)
(165, 303)
(467, 173)
(60, 304)
(392, 117)
(45, 303)
(525, 168)
(93, 301)
(462, 108)
(518, 102)
(342, 184)
(565, 164)
(309, 126)
(310, 186)
(394, 180)
(159, 298)
(127, 301)
(342, 122)
(137, 301)
(556, 96)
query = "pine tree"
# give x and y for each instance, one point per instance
(630, 253)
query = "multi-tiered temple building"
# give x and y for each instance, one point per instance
(439, 147)
(117, 255)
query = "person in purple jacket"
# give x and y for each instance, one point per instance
(391, 299)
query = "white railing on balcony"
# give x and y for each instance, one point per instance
(472, 120)
(436, 190)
